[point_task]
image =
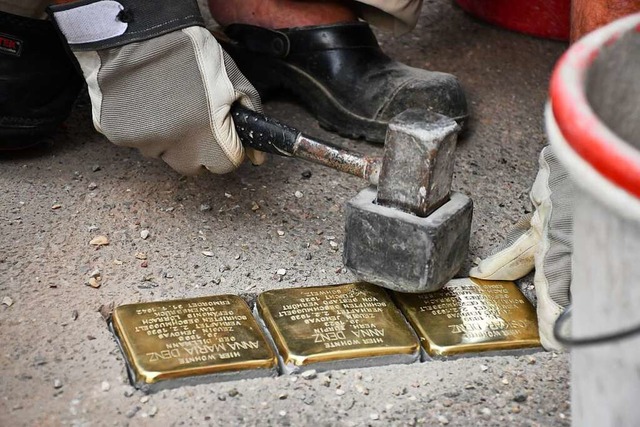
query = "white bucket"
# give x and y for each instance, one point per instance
(593, 124)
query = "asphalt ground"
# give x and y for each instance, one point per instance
(59, 364)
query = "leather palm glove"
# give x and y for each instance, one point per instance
(159, 81)
(542, 241)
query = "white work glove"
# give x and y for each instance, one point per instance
(544, 241)
(159, 81)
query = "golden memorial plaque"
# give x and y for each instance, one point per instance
(191, 341)
(471, 315)
(340, 326)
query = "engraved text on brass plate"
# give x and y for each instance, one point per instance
(328, 323)
(180, 338)
(471, 315)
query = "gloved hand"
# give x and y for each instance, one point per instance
(544, 241)
(159, 81)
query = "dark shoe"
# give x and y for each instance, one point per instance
(38, 81)
(340, 73)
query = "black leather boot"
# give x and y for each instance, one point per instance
(341, 75)
(38, 81)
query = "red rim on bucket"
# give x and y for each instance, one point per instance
(587, 135)
(540, 18)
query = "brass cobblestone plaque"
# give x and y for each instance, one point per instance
(355, 324)
(471, 315)
(192, 340)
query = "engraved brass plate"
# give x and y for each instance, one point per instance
(471, 315)
(181, 338)
(330, 323)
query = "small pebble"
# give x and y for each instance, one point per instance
(144, 399)
(374, 416)
(520, 397)
(486, 411)
(144, 234)
(74, 315)
(141, 255)
(94, 282)
(400, 391)
(153, 411)
(57, 384)
(204, 207)
(283, 396)
(333, 245)
(92, 186)
(298, 194)
(99, 241)
(54, 207)
(227, 195)
(362, 389)
(484, 368)
(7, 301)
(443, 420)
(254, 206)
(233, 392)
(309, 374)
(95, 168)
(208, 253)
(306, 174)
(340, 392)
(505, 381)
(105, 386)
(132, 412)
(282, 413)
(280, 233)
(281, 272)
(128, 392)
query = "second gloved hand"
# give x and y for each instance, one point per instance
(159, 81)
(542, 241)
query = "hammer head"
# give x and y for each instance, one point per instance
(413, 235)
(417, 166)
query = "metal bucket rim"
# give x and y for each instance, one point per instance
(582, 129)
(586, 177)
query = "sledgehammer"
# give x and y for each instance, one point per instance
(412, 234)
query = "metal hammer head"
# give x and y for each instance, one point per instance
(412, 236)
(417, 166)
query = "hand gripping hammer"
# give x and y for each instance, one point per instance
(412, 234)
